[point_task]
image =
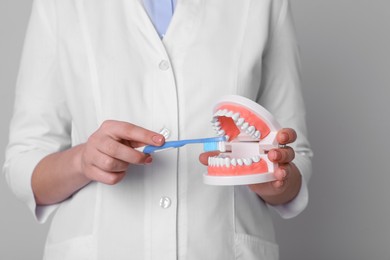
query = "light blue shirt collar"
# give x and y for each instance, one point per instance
(160, 13)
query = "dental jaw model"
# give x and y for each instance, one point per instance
(250, 132)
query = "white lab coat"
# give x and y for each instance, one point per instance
(86, 61)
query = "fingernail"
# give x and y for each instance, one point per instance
(274, 155)
(148, 160)
(158, 139)
(284, 137)
(284, 174)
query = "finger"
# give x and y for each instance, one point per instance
(110, 164)
(278, 184)
(281, 173)
(119, 130)
(117, 150)
(281, 155)
(204, 157)
(286, 136)
(109, 178)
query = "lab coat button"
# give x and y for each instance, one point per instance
(164, 65)
(165, 202)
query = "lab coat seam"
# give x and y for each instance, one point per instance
(178, 179)
(39, 7)
(244, 30)
(91, 62)
(234, 220)
(96, 215)
(275, 26)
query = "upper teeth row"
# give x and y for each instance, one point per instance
(227, 162)
(239, 121)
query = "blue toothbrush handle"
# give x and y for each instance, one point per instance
(175, 144)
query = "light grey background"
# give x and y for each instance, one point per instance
(345, 48)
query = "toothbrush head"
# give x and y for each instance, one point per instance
(165, 132)
(218, 145)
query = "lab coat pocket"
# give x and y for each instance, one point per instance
(80, 248)
(253, 248)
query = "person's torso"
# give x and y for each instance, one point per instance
(115, 66)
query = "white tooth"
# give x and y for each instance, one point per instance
(209, 161)
(233, 162)
(215, 119)
(221, 162)
(227, 162)
(224, 112)
(247, 161)
(256, 135)
(217, 123)
(236, 116)
(217, 114)
(244, 126)
(215, 162)
(256, 158)
(216, 131)
(221, 132)
(240, 121)
(240, 162)
(250, 130)
(229, 113)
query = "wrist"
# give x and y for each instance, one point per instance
(77, 163)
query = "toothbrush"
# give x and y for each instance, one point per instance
(209, 144)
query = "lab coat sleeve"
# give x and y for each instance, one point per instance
(281, 94)
(41, 123)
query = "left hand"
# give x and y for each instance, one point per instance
(288, 179)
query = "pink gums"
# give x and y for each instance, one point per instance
(255, 168)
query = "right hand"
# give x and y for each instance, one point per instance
(109, 151)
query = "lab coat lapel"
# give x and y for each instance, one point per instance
(143, 23)
(184, 26)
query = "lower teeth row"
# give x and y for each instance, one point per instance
(227, 162)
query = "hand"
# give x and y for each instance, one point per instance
(288, 179)
(109, 151)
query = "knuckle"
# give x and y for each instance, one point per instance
(93, 138)
(114, 178)
(111, 181)
(287, 154)
(107, 124)
(291, 153)
(109, 163)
